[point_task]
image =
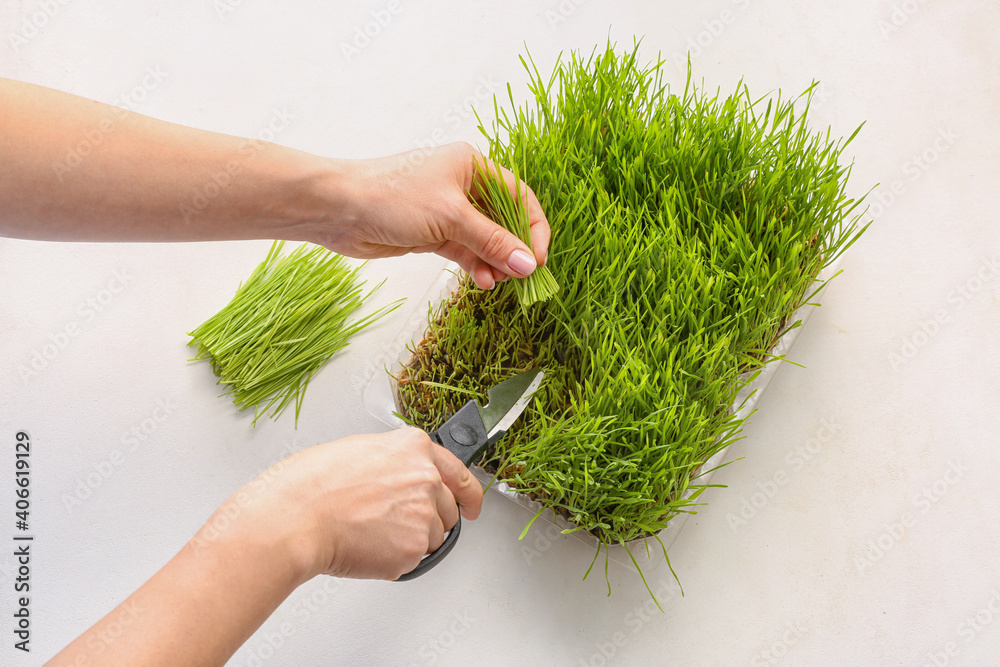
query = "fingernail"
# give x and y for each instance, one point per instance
(521, 263)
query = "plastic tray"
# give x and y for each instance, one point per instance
(381, 398)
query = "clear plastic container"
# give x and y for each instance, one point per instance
(381, 400)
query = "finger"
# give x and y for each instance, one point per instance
(482, 273)
(447, 508)
(490, 242)
(540, 235)
(435, 533)
(465, 488)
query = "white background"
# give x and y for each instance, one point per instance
(815, 569)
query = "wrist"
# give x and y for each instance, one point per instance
(246, 529)
(318, 201)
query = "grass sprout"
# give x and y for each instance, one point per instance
(688, 228)
(282, 326)
(511, 213)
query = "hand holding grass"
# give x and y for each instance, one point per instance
(150, 180)
(417, 202)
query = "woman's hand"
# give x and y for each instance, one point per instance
(416, 202)
(364, 506)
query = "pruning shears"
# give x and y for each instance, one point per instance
(470, 431)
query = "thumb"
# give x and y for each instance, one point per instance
(492, 243)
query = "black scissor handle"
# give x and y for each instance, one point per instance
(464, 435)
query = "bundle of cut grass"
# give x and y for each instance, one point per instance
(282, 326)
(687, 230)
(511, 213)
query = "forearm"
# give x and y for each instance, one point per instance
(202, 605)
(75, 169)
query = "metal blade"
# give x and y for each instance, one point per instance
(509, 399)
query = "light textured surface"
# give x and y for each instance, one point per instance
(803, 559)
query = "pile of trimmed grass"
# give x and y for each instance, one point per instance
(282, 326)
(687, 230)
